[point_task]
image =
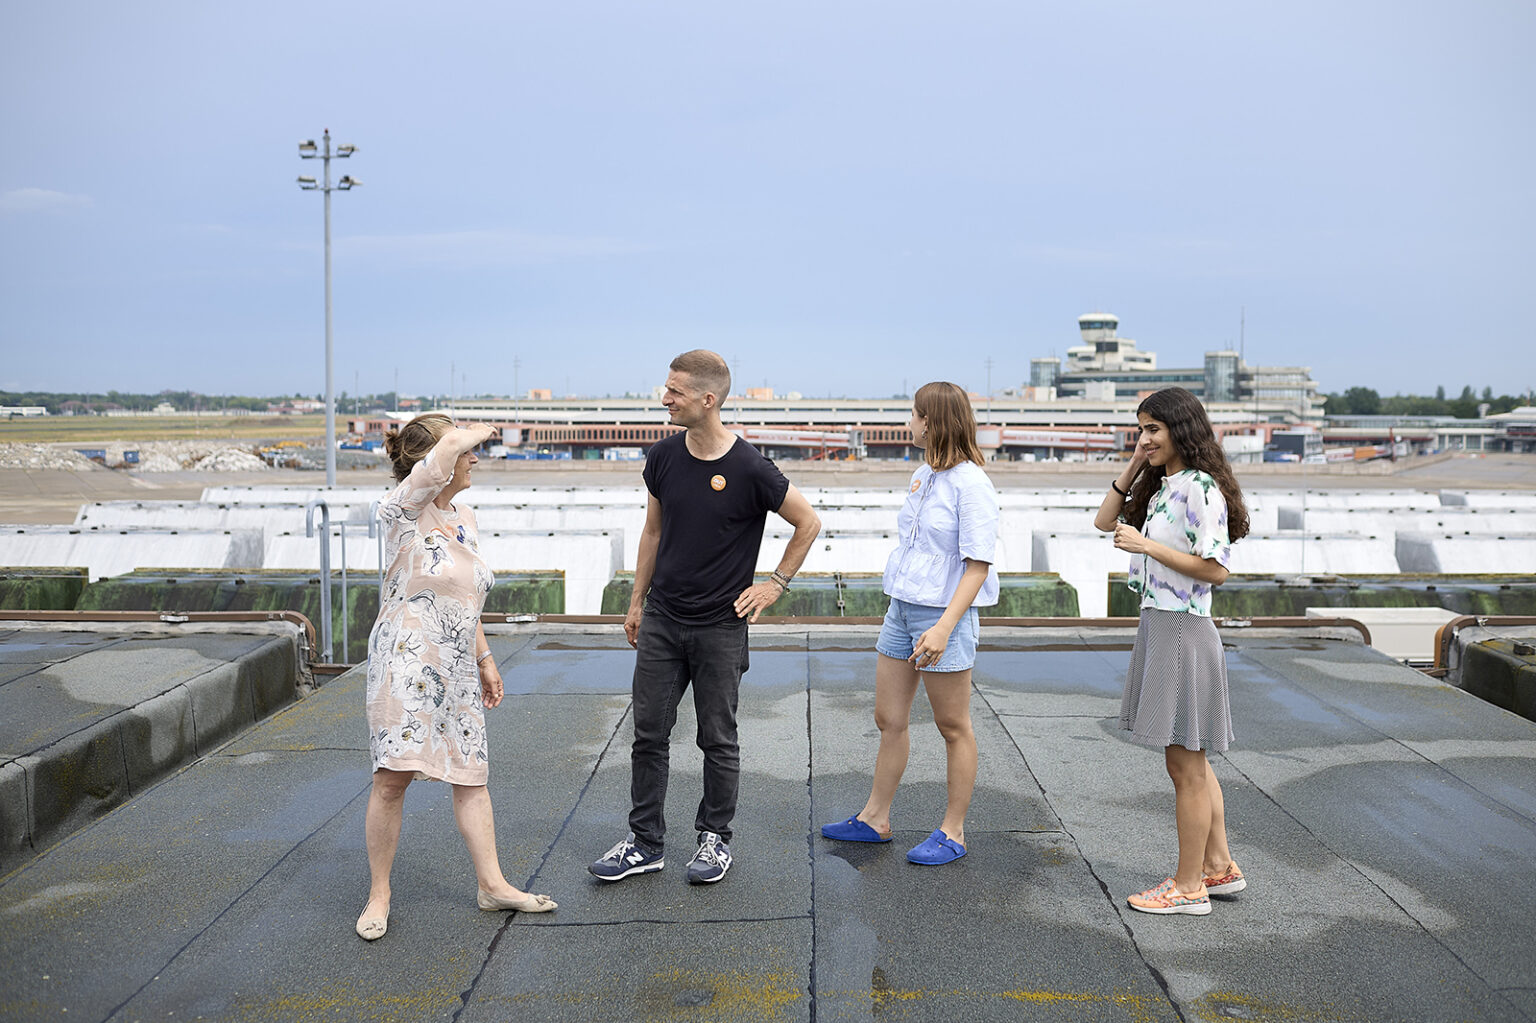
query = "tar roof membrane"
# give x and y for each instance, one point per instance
(1386, 822)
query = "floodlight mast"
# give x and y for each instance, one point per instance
(308, 151)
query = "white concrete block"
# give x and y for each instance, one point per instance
(1085, 560)
(1438, 552)
(1296, 553)
(1406, 633)
(104, 552)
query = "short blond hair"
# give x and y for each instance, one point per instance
(707, 369)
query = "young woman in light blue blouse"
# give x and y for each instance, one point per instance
(938, 575)
(1176, 509)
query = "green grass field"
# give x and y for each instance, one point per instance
(86, 429)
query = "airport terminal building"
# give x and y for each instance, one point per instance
(1081, 411)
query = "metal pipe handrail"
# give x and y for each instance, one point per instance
(325, 566)
(375, 533)
(1447, 632)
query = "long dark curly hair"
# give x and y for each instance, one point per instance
(1195, 441)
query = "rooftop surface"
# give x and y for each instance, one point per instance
(1386, 821)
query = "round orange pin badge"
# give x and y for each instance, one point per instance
(718, 482)
(915, 485)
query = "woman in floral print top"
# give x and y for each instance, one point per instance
(1189, 514)
(1176, 509)
(430, 670)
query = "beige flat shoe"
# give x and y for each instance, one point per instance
(527, 904)
(372, 928)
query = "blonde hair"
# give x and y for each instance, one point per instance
(707, 369)
(951, 425)
(411, 442)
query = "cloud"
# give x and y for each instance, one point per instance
(488, 248)
(28, 200)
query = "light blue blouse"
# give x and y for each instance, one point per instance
(948, 517)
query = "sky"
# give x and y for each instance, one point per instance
(843, 198)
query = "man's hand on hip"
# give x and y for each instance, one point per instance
(754, 600)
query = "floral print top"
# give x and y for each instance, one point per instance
(424, 709)
(1189, 514)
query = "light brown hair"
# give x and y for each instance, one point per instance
(707, 370)
(951, 425)
(410, 444)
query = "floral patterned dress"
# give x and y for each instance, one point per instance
(425, 714)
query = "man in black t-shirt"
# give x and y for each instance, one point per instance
(710, 493)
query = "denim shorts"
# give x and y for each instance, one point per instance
(905, 623)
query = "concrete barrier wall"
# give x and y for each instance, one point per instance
(1299, 553)
(1519, 499)
(588, 558)
(1387, 522)
(113, 552)
(191, 515)
(1335, 498)
(1437, 552)
(855, 551)
(1084, 560)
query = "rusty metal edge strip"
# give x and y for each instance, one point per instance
(1447, 632)
(1276, 622)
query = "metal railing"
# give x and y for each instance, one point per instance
(326, 524)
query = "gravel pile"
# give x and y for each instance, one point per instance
(40, 456)
(154, 456)
(229, 460)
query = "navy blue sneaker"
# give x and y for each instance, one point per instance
(625, 859)
(711, 861)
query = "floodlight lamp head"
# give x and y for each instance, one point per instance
(347, 181)
(307, 149)
(307, 182)
(345, 150)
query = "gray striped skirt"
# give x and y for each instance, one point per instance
(1176, 688)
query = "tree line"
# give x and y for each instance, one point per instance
(87, 403)
(1364, 401)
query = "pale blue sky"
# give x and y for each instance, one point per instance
(841, 197)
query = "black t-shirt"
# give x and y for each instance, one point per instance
(712, 516)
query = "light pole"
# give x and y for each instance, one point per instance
(307, 151)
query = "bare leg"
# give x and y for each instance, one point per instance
(472, 811)
(381, 832)
(1192, 809)
(1218, 858)
(895, 688)
(949, 693)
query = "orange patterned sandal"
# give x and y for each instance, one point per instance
(1166, 898)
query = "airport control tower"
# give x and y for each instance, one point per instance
(1102, 351)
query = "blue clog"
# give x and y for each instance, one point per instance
(852, 830)
(936, 849)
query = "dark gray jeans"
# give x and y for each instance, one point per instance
(668, 656)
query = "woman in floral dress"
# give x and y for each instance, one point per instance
(430, 670)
